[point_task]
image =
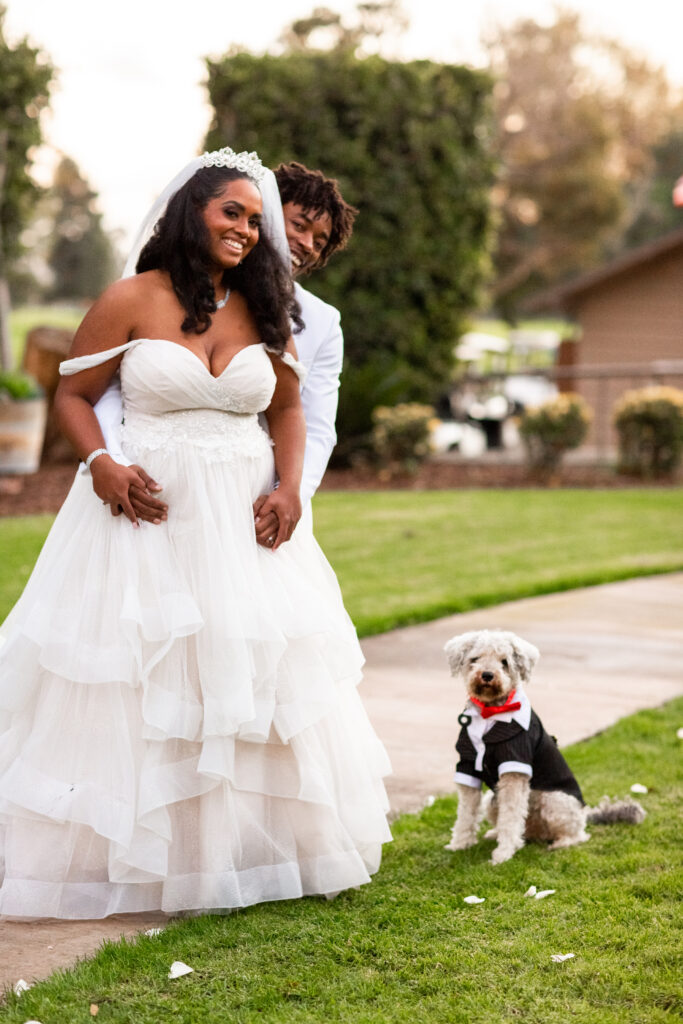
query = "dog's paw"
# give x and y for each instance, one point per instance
(491, 834)
(502, 853)
(460, 844)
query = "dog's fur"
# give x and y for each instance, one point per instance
(493, 663)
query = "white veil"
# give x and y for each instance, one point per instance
(263, 178)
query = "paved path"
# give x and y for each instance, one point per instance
(605, 652)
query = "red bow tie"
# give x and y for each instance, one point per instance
(487, 710)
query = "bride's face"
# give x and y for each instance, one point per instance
(232, 220)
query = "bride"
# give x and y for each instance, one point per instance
(179, 722)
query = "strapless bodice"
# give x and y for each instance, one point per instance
(171, 399)
(159, 376)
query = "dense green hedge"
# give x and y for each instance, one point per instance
(409, 143)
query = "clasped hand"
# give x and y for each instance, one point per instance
(127, 490)
(275, 517)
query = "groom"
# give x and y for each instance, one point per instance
(318, 223)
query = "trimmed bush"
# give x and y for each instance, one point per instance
(552, 429)
(650, 426)
(400, 436)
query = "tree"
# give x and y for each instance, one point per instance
(577, 118)
(408, 143)
(25, 75)
(372, 21)
(82, 257)
(653, 211)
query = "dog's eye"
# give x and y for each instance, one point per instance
(472, 660)
(504, 663)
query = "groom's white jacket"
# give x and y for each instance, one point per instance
(320, 347)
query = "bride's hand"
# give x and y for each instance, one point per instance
(115, 485)
(145, 505)
(265, 526)
(286, 505)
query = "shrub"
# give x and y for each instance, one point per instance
(551, 429)
(18, 386)
(650, 426)
(400, 436)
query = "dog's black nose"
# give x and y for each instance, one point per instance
(487, 677)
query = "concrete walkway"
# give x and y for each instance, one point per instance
(606, 652)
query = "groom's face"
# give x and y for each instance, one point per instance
(308, 233)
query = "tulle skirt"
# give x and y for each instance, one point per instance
(180, 727)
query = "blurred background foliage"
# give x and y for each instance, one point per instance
(410, 146)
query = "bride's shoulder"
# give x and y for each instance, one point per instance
(121, 306)
(146, 285)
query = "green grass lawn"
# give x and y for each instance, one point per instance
(408, 949)
(404, 556)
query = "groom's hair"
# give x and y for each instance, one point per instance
(315, 193)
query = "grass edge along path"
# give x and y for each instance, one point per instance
(403, 557)
(407, 948)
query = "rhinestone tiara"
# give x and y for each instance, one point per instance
(248, 163)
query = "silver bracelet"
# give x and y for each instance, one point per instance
(93, 455)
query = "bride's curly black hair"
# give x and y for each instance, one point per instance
(180, 246)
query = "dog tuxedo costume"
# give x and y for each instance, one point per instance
(493, 742)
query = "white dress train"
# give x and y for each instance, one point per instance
(179, 722)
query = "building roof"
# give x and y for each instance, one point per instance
(564, 295)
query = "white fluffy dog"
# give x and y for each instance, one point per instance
(503, 743)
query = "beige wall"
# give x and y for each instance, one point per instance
(636, 317)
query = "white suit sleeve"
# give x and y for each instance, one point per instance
(109, 412)
(319, 398)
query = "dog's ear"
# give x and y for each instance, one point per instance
(457, 650)
(525, 656)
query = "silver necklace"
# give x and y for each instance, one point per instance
(219, 305)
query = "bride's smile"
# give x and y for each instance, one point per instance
(233, 220)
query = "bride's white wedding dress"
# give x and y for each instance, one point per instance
(179, 722)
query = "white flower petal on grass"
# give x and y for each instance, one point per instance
(31, 1022)
(637, 787)
(561, 957)
(21, 986)
(154, 931)
(543, 893)
(531, 891)
(430, 801)
(679, 733)
(474, 899)
(178, 969)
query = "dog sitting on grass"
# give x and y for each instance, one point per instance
(502, 742)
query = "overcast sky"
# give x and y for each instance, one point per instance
(129, 105)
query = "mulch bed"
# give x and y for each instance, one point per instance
(46, 490)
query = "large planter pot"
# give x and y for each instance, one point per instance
(22, 428)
